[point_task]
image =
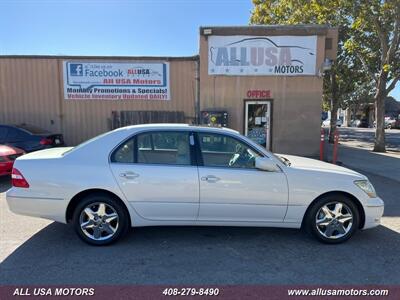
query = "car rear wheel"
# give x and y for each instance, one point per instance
(333, 219)
(100, 219)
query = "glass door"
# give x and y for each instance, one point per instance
(257, 122)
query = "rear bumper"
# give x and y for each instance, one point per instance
(52, 209)
(373, 212)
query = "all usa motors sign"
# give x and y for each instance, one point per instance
(116, 81)
(262, 55)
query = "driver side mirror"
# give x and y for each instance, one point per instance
(265, 164)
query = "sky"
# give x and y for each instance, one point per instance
(115, 27)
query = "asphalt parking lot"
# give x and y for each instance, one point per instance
(35, 251)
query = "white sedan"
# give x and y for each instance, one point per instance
(164, 174)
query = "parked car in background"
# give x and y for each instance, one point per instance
(327, 123)
(28, 137)
(8, 155)
(363, 123)
(177, 174)
(389, 123)
(397, 124)
(355, 123)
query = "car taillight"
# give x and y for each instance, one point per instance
(46, 141)
(18, 180)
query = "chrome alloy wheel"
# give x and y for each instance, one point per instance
(99, 221)
(334, 220)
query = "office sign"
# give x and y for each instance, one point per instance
(116, 81)
(258, 94)
(262, 55)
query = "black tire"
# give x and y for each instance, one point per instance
(310, 221)
(95, 199)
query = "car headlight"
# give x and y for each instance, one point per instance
(367, 187)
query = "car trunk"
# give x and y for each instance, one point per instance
(57, 139)
(54, 140)
(13, 157)
(45, 154)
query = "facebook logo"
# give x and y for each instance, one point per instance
(76, 69)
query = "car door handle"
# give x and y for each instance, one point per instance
(129, 175)
(210, 178)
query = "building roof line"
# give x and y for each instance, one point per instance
(108, 57)
(300, 29)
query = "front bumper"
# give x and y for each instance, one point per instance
(373, 209)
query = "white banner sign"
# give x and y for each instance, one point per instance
(116, 81)
(262, 55)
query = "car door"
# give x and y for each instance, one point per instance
(156, 171)
(231, 188)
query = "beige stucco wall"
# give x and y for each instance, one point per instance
(31, 91)
(296, 102)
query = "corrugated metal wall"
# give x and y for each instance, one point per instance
(31, 91)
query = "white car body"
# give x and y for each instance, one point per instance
(327, 122)
(179, 195)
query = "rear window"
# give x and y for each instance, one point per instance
(32, 129)
(87, 142)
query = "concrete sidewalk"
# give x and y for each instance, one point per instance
(382, 164)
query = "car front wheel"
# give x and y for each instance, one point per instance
(333, 219)
(100, 219)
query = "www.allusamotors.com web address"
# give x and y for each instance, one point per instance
(338, 292)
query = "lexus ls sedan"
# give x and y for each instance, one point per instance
(166, 174)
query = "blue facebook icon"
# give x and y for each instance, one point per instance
(76, 69)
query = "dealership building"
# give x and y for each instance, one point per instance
(264, 81)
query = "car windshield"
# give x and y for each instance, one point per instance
(32, 129)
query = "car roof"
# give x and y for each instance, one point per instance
(178, 126)
(116, 135)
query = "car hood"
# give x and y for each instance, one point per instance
(304, 163)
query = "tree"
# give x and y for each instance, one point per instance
(368, 36)
(374, 39)
(343, 86)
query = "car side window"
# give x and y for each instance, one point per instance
(168, 147)
(219, 150)
(124, 153)
(15, 135)
(3, 134)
